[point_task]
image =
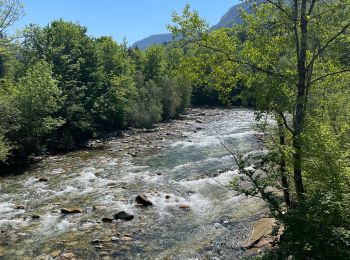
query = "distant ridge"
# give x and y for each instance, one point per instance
(231, 17)
(153, 39)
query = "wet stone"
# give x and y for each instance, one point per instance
(143, 200)
(184, 206)
(70, 211)
(126, 238)
(68, 256)
(107, 220)
(124, 216)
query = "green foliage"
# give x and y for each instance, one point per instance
(171, 99)
(292, 60)
(146, 107)
(115, 85)
(37, 98)
(61, 87)
(154, 63)
(5, 149)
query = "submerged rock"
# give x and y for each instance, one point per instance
(143, 200)
(36, 217)
(107, 220)
(19, 207)
(124, 216)
(71, 211)
(43, 179)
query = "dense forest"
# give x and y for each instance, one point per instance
(289, 60)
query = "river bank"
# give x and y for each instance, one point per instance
(180, 166)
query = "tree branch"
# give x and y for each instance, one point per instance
(285, 121)
(329, 74)
(327, 44)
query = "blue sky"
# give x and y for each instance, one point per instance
(133, 19)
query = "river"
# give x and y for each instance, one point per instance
(181, 166)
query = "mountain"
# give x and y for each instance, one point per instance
(153, 39)
(231, 17)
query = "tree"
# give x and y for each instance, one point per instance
(10, 12)
(37, 98)
(290, 57)
(286, 47)
(145, 107)
(115, 85)
(72, 54)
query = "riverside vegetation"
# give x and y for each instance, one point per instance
(288, 59)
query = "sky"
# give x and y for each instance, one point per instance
(130, 19)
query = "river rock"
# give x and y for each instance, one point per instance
(126, 238)
(124, 216)
(143, 200)
(56, 253)
(96, 241)
(184, 206)
(68, 256)
(36, 217)
(71, 211)
(43, 179)
(19, 207)
(262, 229)
(199, 121)
(114, 238)
(107, 220)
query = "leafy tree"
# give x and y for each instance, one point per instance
(286, 49)
(154, 62)
(10, 12)
(290, 57)
(72, 54)
(37, 98)
(9, 117)
(146, 107)
(115, 86)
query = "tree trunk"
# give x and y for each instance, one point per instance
(284, 179)
(300, 100)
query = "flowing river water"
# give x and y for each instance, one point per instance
(182, 168)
